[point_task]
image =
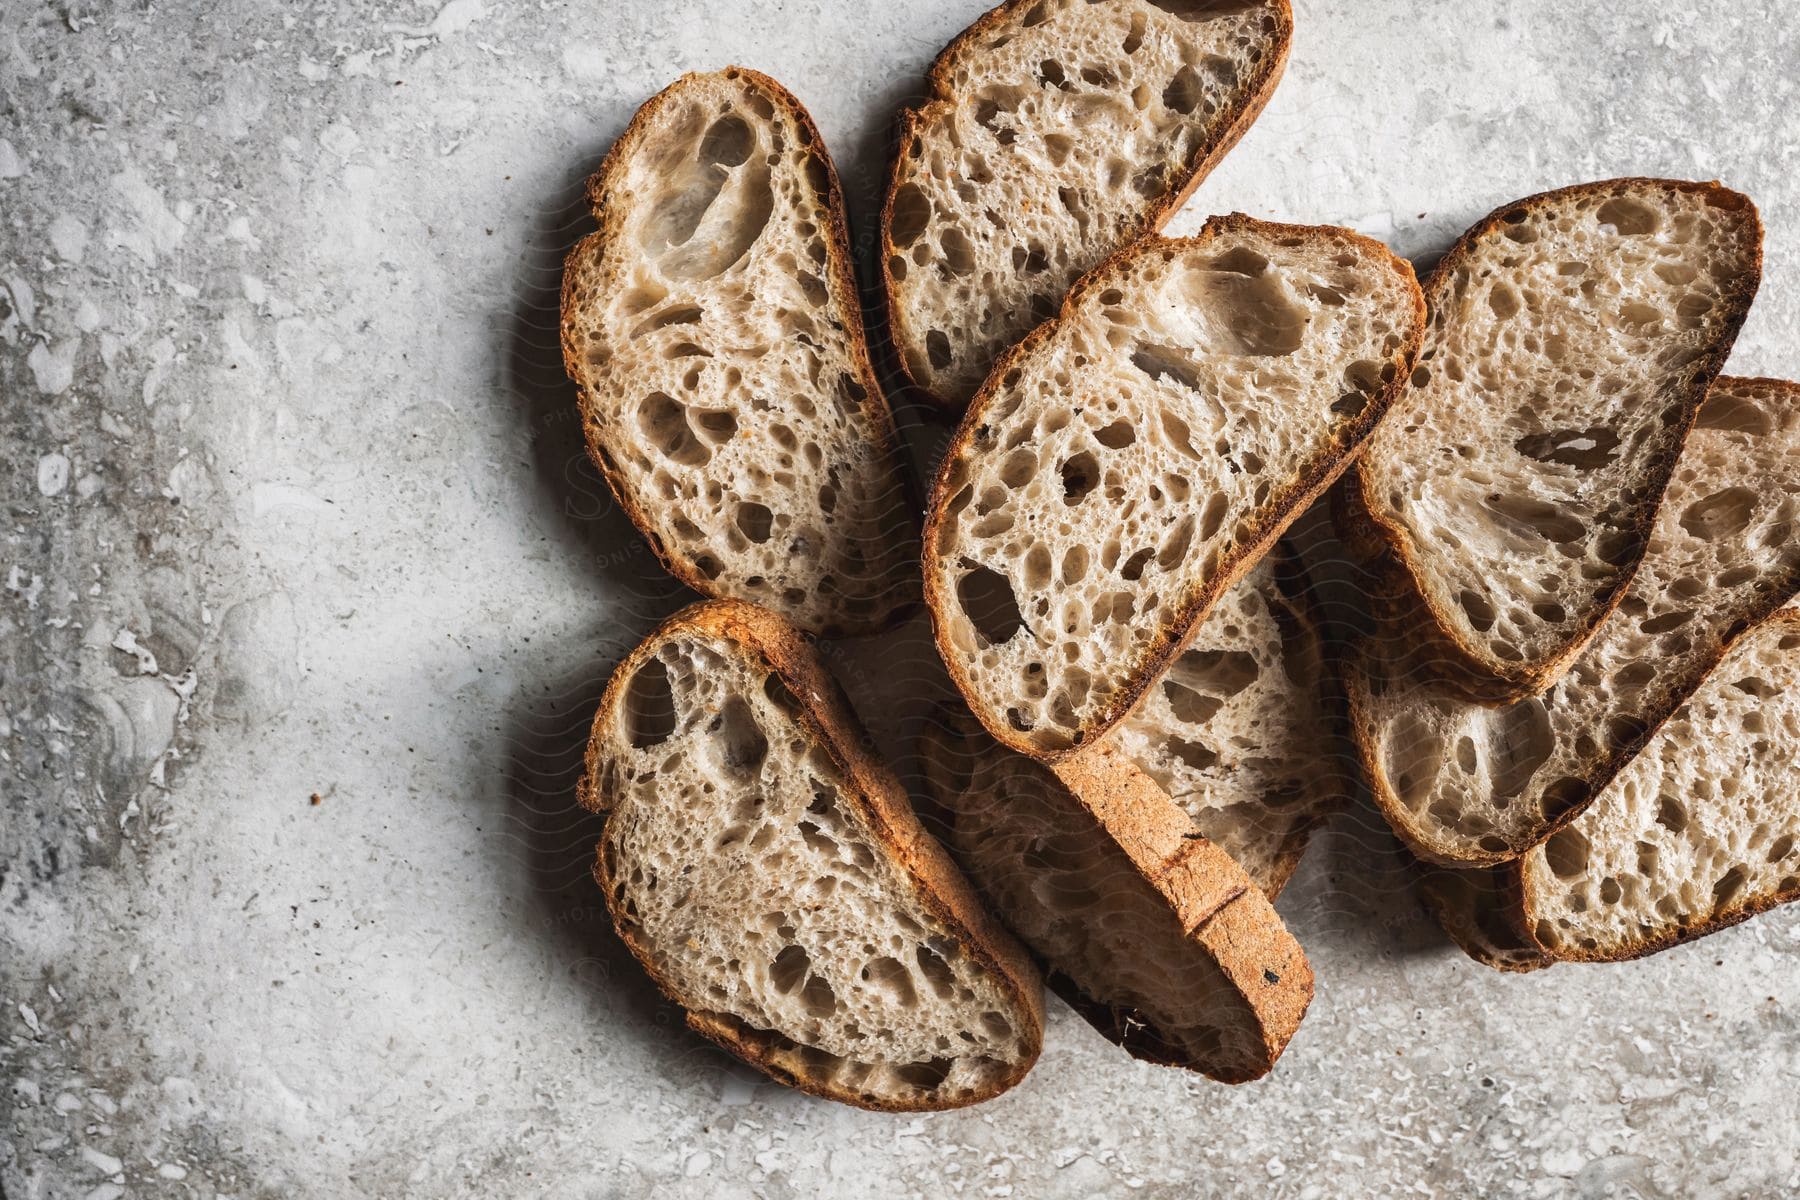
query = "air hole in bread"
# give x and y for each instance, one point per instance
(1133, 570)
(1567, 853)
(1730, 886)
(912, 213)
(1117, 435)
(988, 601)
(1519, 740)
(1480, 612)
(1184, 92)
(649, 708)
(1671, 814)
(1538, 518)
(937, 348)
(1630, 217)
(663, 421)
(1204, 10)
(736, 738)
(675, 314)
(1586, 448)
(959, 255)
(1080, 475)
(1189, 706)
(754, 520)
(1720, 515)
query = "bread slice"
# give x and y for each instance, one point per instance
(1056, 132)
(1698, 832)
(1237, 732)
(1464, 783)
(773, 880)
(714, 330)
(1128, 462)
(1149, 931)
(1573, 335)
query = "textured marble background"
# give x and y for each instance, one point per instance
(308, 596)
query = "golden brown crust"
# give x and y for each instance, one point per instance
(840, 280)
(1314, 476)
(1222, 911)
(1482, 678)
(1218, 907)
(1243, 115)
(825, 716)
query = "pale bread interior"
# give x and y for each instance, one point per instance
(1054, 136)
(1564, 356)
(1236, 731)
(1705, 822)
(1469, 781)
(723, 380)
(743, 863)
(1129, 459)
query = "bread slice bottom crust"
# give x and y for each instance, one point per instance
(1153, 934)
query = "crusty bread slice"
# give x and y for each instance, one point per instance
(1149, 931)
(1128, 462)
(1573, 335)
(773, 880)
(1237, 732)
(1700, 831)
(1465, 783)
(714, 329)
(1056, 132)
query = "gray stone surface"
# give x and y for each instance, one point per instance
(308, 595)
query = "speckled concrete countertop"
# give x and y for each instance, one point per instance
(309, 594)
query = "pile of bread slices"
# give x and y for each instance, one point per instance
(1576, 688)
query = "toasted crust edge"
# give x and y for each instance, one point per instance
(1493, 681)
(826, 717)
(1202, 164)
(1225, 915)
(1220, 909)
(840, 279)
(1316, 476)
(1364, 732)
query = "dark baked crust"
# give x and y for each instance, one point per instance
(1285, 506)
(825, 716)
(1238, 121)
(841, 280)
(1491, 681)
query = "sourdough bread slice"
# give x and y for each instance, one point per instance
(1237, 732)
(1698, 832)
(1149, 931)
(1056, 132)
(1465, 783)
(1573, 335)
(714, 330)
(1128, 462)
(772, 879)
